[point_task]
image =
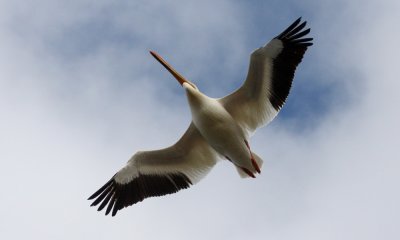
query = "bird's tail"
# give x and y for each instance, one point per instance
(243, 174)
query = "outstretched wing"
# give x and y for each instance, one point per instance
(269, 79)
(157, 173)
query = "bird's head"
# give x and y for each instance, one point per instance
(189, 86)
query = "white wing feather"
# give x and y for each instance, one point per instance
(157, 173)
(269, 78)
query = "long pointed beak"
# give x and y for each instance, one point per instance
(178, 77)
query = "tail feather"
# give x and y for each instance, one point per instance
(259, 161)
(243, 174)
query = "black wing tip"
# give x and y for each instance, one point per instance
(294, 33)
(117, 196)
(295, 42)
(102, 189)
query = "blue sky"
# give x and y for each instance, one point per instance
(79, 94)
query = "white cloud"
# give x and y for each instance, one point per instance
(69, 114)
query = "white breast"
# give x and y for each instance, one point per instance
(217, 126)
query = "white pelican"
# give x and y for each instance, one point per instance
(220, 127)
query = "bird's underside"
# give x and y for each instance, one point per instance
(221, 132)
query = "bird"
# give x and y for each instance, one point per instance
(220, 127)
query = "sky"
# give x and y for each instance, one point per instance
(79, 94)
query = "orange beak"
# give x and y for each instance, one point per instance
(178, 77)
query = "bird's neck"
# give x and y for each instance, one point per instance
(200, 104)
(195, 98)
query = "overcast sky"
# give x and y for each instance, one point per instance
(79, 94)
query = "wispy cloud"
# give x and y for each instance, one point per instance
(80, 94)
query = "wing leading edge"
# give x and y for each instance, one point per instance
(269, 79)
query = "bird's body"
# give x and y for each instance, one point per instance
(220, 127)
